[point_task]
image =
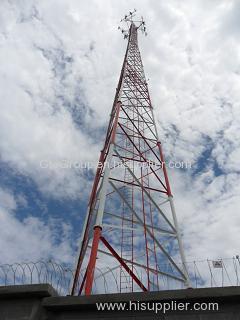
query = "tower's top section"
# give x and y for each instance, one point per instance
(132, 19)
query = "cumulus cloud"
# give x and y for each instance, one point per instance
(32, 238)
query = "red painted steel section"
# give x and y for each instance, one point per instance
(125, 266)
(92, 260)
(145, 233)
(137, 185)
(140, 154)
(83, 282)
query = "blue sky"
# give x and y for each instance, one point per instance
(60, 62)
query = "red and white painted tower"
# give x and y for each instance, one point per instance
(131, 225)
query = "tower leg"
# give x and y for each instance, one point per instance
(92, 260)
(182, 254)
(102, 197)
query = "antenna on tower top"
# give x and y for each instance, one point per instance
(128, 20)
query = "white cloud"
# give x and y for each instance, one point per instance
(31, 239)
(7, 200)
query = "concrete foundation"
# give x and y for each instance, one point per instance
(41, 302)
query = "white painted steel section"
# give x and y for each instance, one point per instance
(187, 282)
(80, 246)
(103, 191)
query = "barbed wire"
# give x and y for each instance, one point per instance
(204, 273)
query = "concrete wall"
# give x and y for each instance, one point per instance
(24, 302)
(41, 302)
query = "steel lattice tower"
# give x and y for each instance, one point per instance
(131, 224)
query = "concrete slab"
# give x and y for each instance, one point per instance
(31, 290)
(40, 302)
(207, 294)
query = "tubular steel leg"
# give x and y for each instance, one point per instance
(182, 254)
(92, 260)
